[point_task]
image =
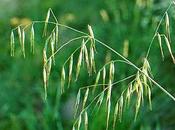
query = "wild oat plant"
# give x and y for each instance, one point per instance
(139, 87)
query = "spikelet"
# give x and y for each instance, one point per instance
(45, 82)
(104, 77)
(160, 44)
(73, 128)
(109, 91)
(20, 35)
(120, 107)
(92, 61)
(144, 76)
(79, 123)
(111, 71)
(126, 48)
(79, 63)
(86, 120)
(149, 98)
(116, 110)
(87, 59)
(56, 35)
(139, 85)
(91, 32)
(167, 24)
(45, 72)
(92, 38)
(85, 97)
(70, 69)
(32, 39)
(138, 103)
(128, 95)
(77, 102)
(63, 77)
(49, 66)
(12, 44)
(53, 46)
(136, 84)
(108, 114)
(44, 57)
(169, 49)
(100, 100)
(23, 42)
(96, 82)
(46, 23)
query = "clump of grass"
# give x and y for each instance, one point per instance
(140, 87)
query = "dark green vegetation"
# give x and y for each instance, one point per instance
(21, 97)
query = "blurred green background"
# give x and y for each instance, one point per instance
(115, 22)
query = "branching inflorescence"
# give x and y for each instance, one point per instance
(140, 83)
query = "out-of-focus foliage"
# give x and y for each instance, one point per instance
(114, 21)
